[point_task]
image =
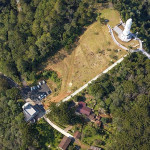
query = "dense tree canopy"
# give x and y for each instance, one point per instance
(44, 135)
(64, 114)
(38, 30)
(124, 92)
(13, 129)
(3, 84)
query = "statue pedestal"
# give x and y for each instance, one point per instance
(125, 38)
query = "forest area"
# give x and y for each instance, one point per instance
(38, 31)
(124, 93)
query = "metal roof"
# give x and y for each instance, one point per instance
(64, 143)
(117, 30)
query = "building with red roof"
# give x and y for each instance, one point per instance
(83, 109)
(81, 104)
(64, 143)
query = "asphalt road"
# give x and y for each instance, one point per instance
(10, 81)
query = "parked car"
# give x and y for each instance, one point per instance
(45, 94)
(38, 86)
(40, 97)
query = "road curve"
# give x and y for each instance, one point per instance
(11, 82)
(112, 35)
(59, 129)
(121, 46)
(95, 78)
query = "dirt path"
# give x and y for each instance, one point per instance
(71, 68)
(68, 128)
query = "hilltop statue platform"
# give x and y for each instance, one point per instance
(123, 31)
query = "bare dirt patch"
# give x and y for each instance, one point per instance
(94, 53)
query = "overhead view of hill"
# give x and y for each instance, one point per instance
(74, 74)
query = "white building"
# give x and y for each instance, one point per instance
(29, 111)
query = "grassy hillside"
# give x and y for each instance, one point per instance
(95, 51)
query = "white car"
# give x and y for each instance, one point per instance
(38, 86)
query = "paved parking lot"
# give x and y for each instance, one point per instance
(39, 93)
(36, 93)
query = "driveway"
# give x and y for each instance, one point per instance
(59, 129)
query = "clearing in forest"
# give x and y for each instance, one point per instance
(95, 52)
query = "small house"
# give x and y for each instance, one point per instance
(64, 143)
(83, 109)
(29, 112)
(82, 104)
(92, 117)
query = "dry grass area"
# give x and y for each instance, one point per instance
(112, 15)
(94, 53)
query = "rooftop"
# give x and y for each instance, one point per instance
(117, 30)
(85, 110)
(29, 111)
(92, 116)
(94, 148)
(64, 143)
(81, 104)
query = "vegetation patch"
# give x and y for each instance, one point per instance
(120, 94)
(67, 111)
(45, 136)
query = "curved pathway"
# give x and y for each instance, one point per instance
(121, 46)
(105, 71)
(113, 37)
(11, 82)
(59, 129)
